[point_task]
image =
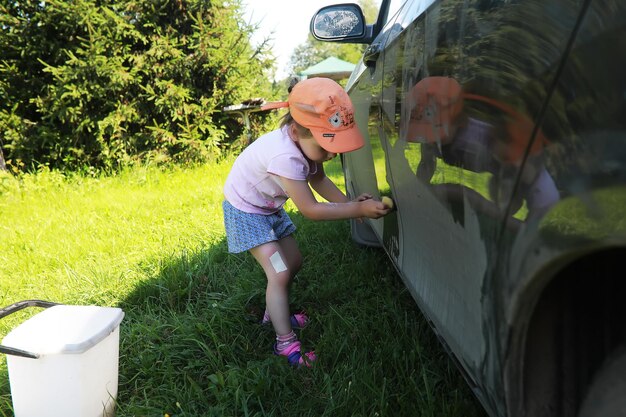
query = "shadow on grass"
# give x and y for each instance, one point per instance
(191, 344)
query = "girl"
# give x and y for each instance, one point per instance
(287, 163)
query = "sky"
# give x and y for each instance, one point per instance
(286, 22)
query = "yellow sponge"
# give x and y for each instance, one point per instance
(387, 201)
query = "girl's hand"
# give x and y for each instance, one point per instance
(363, 197)
(373, 209)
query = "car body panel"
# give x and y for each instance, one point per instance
(503, 186)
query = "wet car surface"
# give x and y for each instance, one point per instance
(498, 127)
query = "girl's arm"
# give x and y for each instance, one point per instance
(302, 196)
(325, 187)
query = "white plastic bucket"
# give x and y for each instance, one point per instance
(75, 373)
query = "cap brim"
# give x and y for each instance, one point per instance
(341, 141)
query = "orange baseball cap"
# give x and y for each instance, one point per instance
(436, 104)
(322, 106)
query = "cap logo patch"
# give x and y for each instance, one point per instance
(344, 117)
(335, 120)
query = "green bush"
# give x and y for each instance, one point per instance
(107, 83)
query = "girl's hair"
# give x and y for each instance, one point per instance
(288, 120)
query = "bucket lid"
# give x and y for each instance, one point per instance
(64, 329)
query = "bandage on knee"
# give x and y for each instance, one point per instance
(278, 263)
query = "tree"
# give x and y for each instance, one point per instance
(104, 83)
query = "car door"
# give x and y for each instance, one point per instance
(497, 126)
(441, 250)
(466, 160)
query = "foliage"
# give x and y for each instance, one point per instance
(105, 83)
(313, 51)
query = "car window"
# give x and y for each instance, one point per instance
(397, 8)
(412, 11)
(394, 8)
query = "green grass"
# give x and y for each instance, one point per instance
(599, 215)
(152, 242)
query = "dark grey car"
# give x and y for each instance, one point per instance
(498, 127)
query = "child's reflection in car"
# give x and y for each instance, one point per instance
(440, 122)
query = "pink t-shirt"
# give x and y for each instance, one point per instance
(253, 184)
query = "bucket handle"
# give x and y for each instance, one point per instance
(17, 307)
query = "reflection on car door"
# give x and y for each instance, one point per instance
(466, 160)
(438, 227)
(498, 128)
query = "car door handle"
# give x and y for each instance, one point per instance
(371, 54)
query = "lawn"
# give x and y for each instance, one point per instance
(151, 241)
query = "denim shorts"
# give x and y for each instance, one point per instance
(245, 231)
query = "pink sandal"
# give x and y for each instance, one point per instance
(295, 356)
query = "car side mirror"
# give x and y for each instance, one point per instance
(341, 23)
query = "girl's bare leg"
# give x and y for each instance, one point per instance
(280, 260)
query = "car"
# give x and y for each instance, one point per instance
(498, 128)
